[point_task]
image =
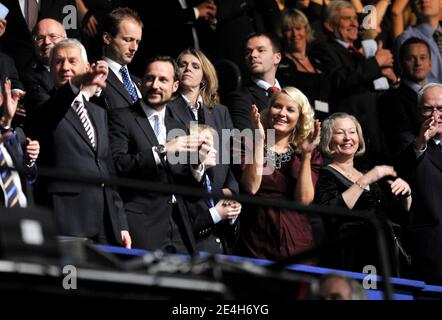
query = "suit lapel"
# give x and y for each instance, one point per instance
(259, 96)
(435, 155)
(94, 116)
(143, 123)
(115, 83)
(180, 111)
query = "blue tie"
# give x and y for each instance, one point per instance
(156, 125)
(10, 188)
(208, 186)
(128, 84)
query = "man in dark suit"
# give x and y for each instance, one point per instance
(351, 74)
(16, 192)
(121, 37)
(74, 136)
(421, 162)
(17, 41)
(398, 109)
(262, 57)
(141, 150)
(36, 76)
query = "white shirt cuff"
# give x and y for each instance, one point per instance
(156, 156)
(215, 215)
(419, 153)
(197, 12)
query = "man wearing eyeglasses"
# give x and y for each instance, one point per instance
(421, 162)
(36, 77)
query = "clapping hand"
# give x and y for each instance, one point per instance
(312, 140)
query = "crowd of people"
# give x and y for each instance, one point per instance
(333, 107)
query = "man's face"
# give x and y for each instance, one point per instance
(47, 34)
(432, 106)
(67, 63)
(427, 8)
(416, 64)
(123, 46)
(261, 59)
(159, 84)
(346, 26)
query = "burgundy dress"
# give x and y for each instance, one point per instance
(274, 233)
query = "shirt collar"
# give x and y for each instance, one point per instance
(150, 112)
(343, 43)
(412, 85)
(265, 85)
(199, 101)
(426, 29)
(114, 66)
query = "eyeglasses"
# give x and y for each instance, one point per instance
(52, 37)
(429, 110)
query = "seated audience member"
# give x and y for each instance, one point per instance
(196, 101)
(427, 28)
(340, 184)
(284, 165)
(352, 75)
(334, 286)
(296, 68)
(262, 56)
(15, 186)
(421, 162)
(74, 136)
(145, 146)
(36, 76)
(398, 109)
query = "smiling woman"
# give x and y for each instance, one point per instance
(286, 169)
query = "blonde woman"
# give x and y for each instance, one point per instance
(287, 169)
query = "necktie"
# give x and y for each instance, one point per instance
(208, 186)
(355, 52)
(156, 125)
(31, 13)
(10, 188)
(128, 84)
(84, 118)
(272, 90)
(437, 36)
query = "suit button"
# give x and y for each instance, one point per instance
(102, 185)
(97, 161)
(218, 240)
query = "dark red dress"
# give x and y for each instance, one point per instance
(274, 233)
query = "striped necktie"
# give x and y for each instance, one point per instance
(10, 188)
(31, 13)
(84, 118)
(208, 186)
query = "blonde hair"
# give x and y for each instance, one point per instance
(209, 83)
(305, 123)
(294, 18)
(327, 133)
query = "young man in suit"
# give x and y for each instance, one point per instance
(74, 136)
(421, 163)
(141, 149)
(121, 37)
(262, 56)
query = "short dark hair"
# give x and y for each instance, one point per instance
(169, 59)
(273, 39)
(111, 23)
(413, 40)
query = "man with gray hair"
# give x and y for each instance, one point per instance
(352, 75)
(421, 162)
(74, 137)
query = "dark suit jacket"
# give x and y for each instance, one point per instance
(115, 95)
(239, 103)
(399, 113)
(17, 40)
(38, 84)
(15, 146)
(8, 70)
(149, 214)
(425, 229)
(210, 237)
(80, 209)
(352, 89)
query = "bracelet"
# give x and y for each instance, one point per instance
(360, 186)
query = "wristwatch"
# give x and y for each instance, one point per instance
(161, 150)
